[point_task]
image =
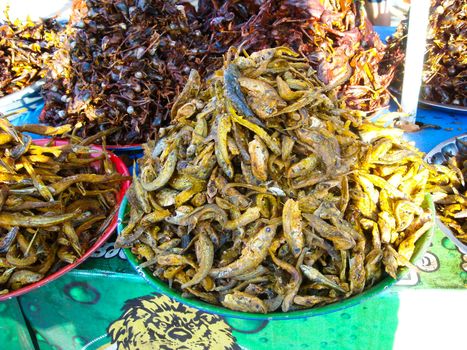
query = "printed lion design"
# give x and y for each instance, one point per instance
(158, 322)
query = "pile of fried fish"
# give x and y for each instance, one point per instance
(449, 190)
(266, 194)
(55, 202)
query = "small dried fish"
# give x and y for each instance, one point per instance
(448, 185)
(57, 211)
(288, 200)
(27, 48)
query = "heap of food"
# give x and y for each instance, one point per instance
(445, 68)
(26, 50)
(264, 194)
(124, 63)
(55, 202)
(450, 192)
(335, 37)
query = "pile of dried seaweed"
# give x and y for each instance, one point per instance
(123, 65)
(445, 68)
(26, 49)
(265, 195)
(334, 36)
(126, 61)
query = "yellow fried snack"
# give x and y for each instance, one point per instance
(55, 201)
(293, 203)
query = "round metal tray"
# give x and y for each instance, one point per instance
(444, 107)
(438, 155)
(449, 108)
(25, 99)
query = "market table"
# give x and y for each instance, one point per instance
(104, 304)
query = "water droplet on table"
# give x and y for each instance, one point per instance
(345, 316)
